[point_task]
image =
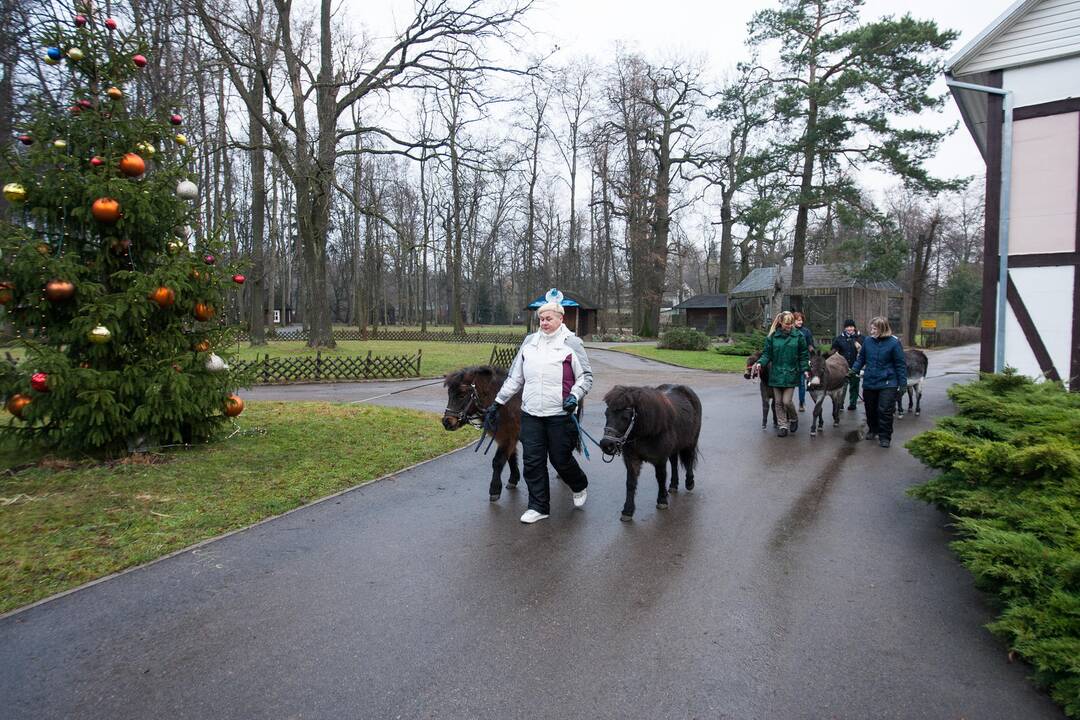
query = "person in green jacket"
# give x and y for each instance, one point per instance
(787, 353)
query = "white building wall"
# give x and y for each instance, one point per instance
(1047, 295)
(1050, 29)
(1042, 213)
(1045, 82)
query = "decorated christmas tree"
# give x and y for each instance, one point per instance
(110, 288)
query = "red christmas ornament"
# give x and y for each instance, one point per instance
(175, 119)
(85, 104)
(75, 109)
(96, 161)
(238, 279)
(139, 60)
(26, 140)
(80, 20)
(110, 23)
(163, 296)
(7, 293)
(209, 259)
(202, 312)
(40, 382)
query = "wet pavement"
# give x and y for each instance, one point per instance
(796, 581)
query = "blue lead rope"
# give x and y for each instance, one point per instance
(584, 434)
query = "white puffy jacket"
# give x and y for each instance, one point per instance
(547, 369)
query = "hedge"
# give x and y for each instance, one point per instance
(1010, 476)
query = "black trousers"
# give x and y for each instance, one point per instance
(542, 438)
(880, 404)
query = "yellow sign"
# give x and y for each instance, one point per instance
(929, 324)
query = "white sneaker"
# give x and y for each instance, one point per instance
(579, 498)
(532, 516)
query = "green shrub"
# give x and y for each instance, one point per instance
(683, 338)
(743, 345)
(1010, 475)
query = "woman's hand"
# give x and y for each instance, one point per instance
(570, 404)
(491, 418)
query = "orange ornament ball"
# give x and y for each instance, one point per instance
(59, 290)
(17, 403)
(202, 312)
(106, 210)
(132, 165)
(234, 405)
(202, 346)
(7, 293)
(163, 296)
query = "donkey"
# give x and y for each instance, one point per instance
(471, 390)
(828, 378)
(656, 425)
(767, 399)
(917, 363)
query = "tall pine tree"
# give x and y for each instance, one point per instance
(111, 292)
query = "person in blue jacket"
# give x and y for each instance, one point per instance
(809, 336)
(881, 360)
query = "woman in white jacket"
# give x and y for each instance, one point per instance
(553, 373)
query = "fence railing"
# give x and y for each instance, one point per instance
(271, 370)
(403, 335)
(502, 357)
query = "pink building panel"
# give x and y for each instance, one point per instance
(1046, 159)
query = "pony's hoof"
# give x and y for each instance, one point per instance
(836, 424)
(511, 486)
(626, 518)
(917, 413)
(661, 506)
(493, 498)
(813, 433)
(673, 489)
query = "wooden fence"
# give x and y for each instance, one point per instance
(502, 357)
(270, 370)
(402, 335)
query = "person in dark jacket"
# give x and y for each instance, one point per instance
(789, 361)
(881, 360)
(847, 344)
(800, 326)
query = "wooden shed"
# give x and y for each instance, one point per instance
(580, 314)
(829, 296)
(708, 313)
(1017, 84)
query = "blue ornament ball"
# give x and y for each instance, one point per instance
(54, 53)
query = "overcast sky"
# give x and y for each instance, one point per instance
(716, 31)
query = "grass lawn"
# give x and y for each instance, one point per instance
(469, 329)
(66, 523)
(439, 357)
(699, 359)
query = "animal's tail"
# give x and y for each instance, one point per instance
(689, 458)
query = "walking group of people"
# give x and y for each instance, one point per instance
(879, 358)
(552, 372)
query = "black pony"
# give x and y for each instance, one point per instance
(471, 390)
(657, 425)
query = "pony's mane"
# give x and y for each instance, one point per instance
(470, 374)
(654, 411)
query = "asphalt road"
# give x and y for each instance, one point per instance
(796, 581)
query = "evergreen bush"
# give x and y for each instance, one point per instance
(1010, 475)
(743, 345)
(104, 275)
(683, 338)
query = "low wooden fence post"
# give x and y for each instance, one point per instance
(419, 353)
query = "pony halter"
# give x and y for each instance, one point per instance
(621, 439)
(470, 411)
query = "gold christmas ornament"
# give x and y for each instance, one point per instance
(115, 93)
(14, 192)
(59, 144)
(146, 149)
(99, 335)
(75, 54)
(181, 139)
(175, 246)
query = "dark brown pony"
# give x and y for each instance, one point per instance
(469, 392)
(656, 425)
(767, 399)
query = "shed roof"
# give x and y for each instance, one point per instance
(762, 281)
(703, 301)
(570, 299)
